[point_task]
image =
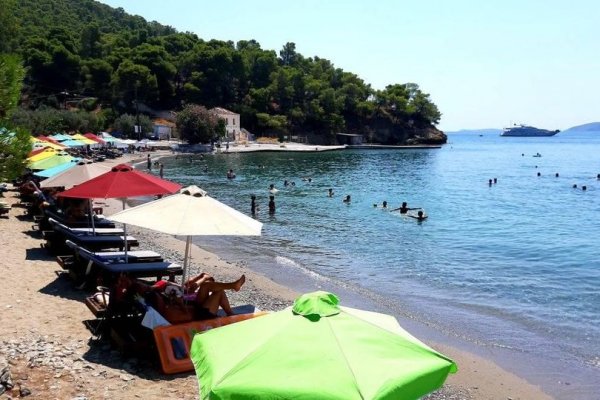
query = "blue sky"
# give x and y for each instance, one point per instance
(485, 63)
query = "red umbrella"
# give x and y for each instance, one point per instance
(36, 151)
(121, 181)
(48, 139)
(93, 137)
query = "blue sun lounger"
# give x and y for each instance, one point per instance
(90, 265)
(101, 239)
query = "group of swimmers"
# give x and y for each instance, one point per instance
(404, 209)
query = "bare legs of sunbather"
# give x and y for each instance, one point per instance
(211, 295)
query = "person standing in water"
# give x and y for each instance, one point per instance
(271, 205)
(330, 192)
(149, 162)
(347, 200)
(253, 206)
(160, 171)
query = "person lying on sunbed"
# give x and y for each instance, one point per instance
(208, 295)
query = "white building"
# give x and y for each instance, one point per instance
(232, 124)
(163, 129)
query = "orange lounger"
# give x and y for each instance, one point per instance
(174, 341)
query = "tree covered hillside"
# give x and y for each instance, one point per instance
(97, 52)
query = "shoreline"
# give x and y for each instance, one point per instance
(31, 280)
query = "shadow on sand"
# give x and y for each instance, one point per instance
(63, 287)
(38, 254)
(103, 352)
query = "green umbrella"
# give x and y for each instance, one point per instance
(316, 350)
(51, 162)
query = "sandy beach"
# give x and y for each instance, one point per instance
(51, 353)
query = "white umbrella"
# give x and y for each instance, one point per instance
(74, 176)
(189, 213)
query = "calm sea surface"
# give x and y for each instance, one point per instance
(513, 268)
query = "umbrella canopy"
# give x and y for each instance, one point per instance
(60, 137)
(84, 140)
(36, 151)
(121, 181)
(93, 137)
(72, 143)
(45, 153)
(191, 212)
(47, 173)
(316, 350)
(50, 162)
(76, 175)
(48, 139)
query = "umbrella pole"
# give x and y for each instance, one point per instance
(125, 237)
(92, 217)
(185, 259)
(126, 244)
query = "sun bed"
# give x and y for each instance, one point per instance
(118, 256)
(99, 222)
(55, 240)
(139, 264)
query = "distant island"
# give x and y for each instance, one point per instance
(589, 127)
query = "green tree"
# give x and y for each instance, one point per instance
(11, 82)
(198, 125)
(14, 144)
(126, 125)
(8, 25)
(130, 77)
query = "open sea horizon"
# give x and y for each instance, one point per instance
(509, 271)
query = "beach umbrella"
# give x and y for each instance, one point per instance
(49, 172)
(316, 350)
(48, 139)
(36, 151)
(121, 181)
(80, 172)
(53, 161)
(42, 145)
(95, 138)
(45, 153)
(84, 140)
(60, 137)
(189, 213)
(72, 143)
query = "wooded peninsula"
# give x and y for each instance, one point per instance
(86, 64)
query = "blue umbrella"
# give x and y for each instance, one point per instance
(47, 173)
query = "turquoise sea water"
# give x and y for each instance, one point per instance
(512, 268)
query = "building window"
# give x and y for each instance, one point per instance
(226, 121)
(233, 121)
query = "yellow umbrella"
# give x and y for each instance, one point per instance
(48, 152)
(38, 143)
(50, 162)
(83, 139)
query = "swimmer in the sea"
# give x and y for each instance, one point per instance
(419, 217)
